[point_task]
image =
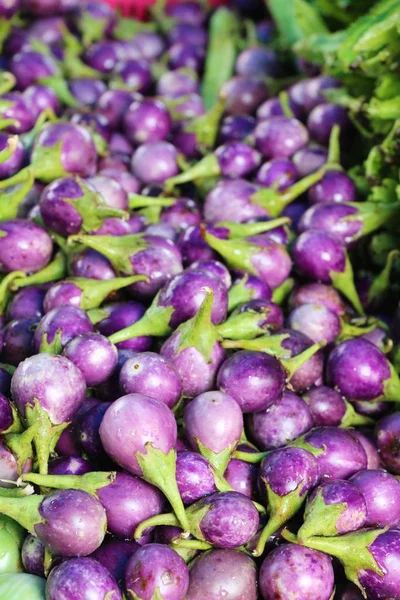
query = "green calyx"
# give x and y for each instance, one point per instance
(54, 346)
(6, 287)
(24, 511)
(321, 518)
(239, 294)
(205, 127)
(52, 272)
(93, 209)
(351, 418)
(91, 28)
(155, 322)
(118, 249)
(94, 291)
(281, 509)
(89, 482)
(343, 281)
(60, 87)
(218, 460)
(238, 253)
(16, 425)
(160, 470)
(280, 293)
(200, 332)
(20, 445)
(45, 436)
(206, 167)
(381, 282)
(391, 386)
(372, 215)
(244, 326)
(304, 445)
(356, 327)
(238, 230)
(12, 198)
(47, 164)
(352, 549)
(9, 150)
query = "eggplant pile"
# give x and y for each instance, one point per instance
(199, 301)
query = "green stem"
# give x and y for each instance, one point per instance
(274, 523)
(23, 510)
(190, 544)
(137, 201)
(254, 458)
(46, 436)
(206, 126)
(10, 200)
(249, 229)
(156, 521)
(60, 87)
(155, 322)
(280, 293)
(89, 482)
(334, 146)
(344, 282)
(94, 291)
(292, 365)
(52, 272)
(206, 167)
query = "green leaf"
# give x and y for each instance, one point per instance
(296, 19)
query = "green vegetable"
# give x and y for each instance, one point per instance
(21, 585)
(11, 539)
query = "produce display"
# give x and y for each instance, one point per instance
(199, 301)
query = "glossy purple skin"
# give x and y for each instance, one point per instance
(183, 214)
(164, 534)
(110, 190)
(32, 555)
(257, 61)
(68, 444)
(78, 152)
(194, 477)
(47, 30)
(128, 501)
(273, 108)
(160, 261)
(358, 369)
(131, 422)
(189, 11)
(386, 552)
(280, 137)
(71, 321)
(29, 67)
(185, 293)
(153, 375)
(343, 456)
(9, 8)
(113, 226)
(69, 465)
(74, 523)
(387, 435)
(335, 186)
(188, 33)
(236, 128)
(113, 104)
(309, 159)
(271, 315)
(114, 555)
(214, 419)
(237, 159)
(80, 577)
(147, 121)
(87, 90)
(94, 355)
(254, 379)
(162, 230)
(318, 293)
(135, 73)
(25, 247)
(40, 98)
(279, 173)
(213, 267)
(316, 253)
(331, 217)
(381, 492)
(185, 142)
(6, 415)
(19, 110)
(314, 89)
(93, 265)
(54, 381)
(15, 162)
(225, 573)
(288, 469)
(41, 8)
(282, 422)
(17, 340)
(58, 215)
(265, 30)
(231, 201)
(310, 372)
(271, 261)
(128, 181)
(121, 315)
(296, 572)
(231, 521)
(367, 442)
(88, 431)
(322, 119)
(242, 477)
(156, 567)
(120, 151)
(193, 246)
(326, 405)
(186, 55)
(154, 162)
(258, 289)
(195, 371)
(175, 84)
(244, 94)
(102, 56)
(338, 491)
(316, 321)
(5, 381)
(151, 45)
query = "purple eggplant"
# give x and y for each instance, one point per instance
(247, 289)
(69, 465)
(121, 316)
(32, 555)
(280, 137)
(87, 90)
(139, 433)
(335, 186)
(323, 118)
(113, 104)
(298, 573)
(147, 121)
(90, 264)
(153, 375)
(24, 246)
(318, 293)
(59, 326)
(213, 267)
(242, 477)
(236, 128)
(244, 94)
(329, 407)
(114, 554)
(16, 113)
(273, 108)
(155, 162)
(279, 173)
(135, 74)
(227, 572)
(94, 355)
(194, 477)
(29, 67)
(387, 436)
(156, 569)
(231, 201)
(11, 165)
(47, 390)
(308, 160)
(360, 371)
(81, 577)
(381, 492)
(366, 441)
(17, 340)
